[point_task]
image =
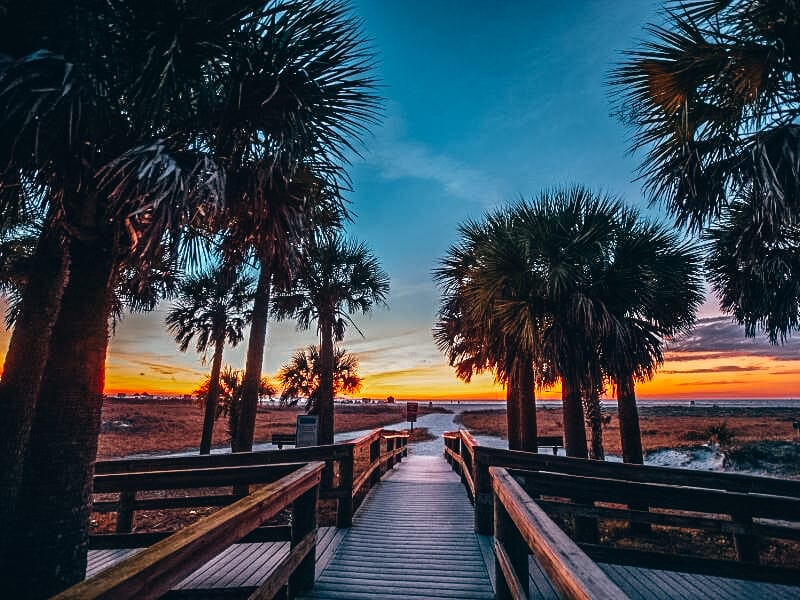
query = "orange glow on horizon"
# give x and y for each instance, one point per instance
(682, 377)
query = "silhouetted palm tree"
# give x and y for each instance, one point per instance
(713, 100)
(210, 310)
(654, 291)
(301, 376)
(492, 313)
(570, 283)
(337, 277)
(125, 118)
(295, 209)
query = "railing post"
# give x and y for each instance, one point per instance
(389, 449)
(375, 454)
(344, 511)
(746, 544)
(510, 540)
(483, 492)
(125, 511)
(304, 521)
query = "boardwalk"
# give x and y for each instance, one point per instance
(412, 538)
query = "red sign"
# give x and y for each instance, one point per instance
(411, 412)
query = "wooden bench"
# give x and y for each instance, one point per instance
(281, 439)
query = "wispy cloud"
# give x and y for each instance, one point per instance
(397, 157)
(150, 363)
(719, 369)
(720, 337)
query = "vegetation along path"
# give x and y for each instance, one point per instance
(412, 538)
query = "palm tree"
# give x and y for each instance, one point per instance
(321, 98)
(210, 310)
(581, 289)
(178, 94)
(624, 286)
(337, 277)
(569, 230)
(295, 210)
(301, 376)
(491, 315)
(713, 100)
(651, 292)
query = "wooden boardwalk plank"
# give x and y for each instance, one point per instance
(238, 566)
(648, 584)
(412, 538)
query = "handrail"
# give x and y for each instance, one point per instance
(153, 571)
(454, 448)
(384, 460)
(187, 478)
(745, 507)
(519, 518)
(735, 482)
(129, 475)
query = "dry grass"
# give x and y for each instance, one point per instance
(137, 426)
(662, 427)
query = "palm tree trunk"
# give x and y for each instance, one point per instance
(594, 417)
(527, 407)
(55, 498)
(325, 396)
(574, 429)
(245, 430)
(513, 413)
(24, 367)
(629, 432)
(213, 394)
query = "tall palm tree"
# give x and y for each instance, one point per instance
(301, 376)
(654, 291)
(580, 288)
(570, 231)
(321, 99)
(179, 94)
(210, 310)
(59, 65)
(491, 315)
(295, 209)
(713, 100)
(337, 277)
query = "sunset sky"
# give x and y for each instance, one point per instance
(485, 102)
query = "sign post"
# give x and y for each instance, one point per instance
(411, 413)
(306, 432)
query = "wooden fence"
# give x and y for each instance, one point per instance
(263, 484)
(751, 512)
(349, 468)
(152, 572)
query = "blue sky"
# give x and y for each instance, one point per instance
(484, 102)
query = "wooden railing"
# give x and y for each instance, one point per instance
(750, 510)
(153, 571)
(343, 478)
(521, 528)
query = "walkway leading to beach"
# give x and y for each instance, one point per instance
(412, 538)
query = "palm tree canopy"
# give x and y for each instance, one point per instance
(210, 307)
(713, 100)
(337, 277)
(153, 103)
(230, 389)
(300, 377)
(565, 280)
